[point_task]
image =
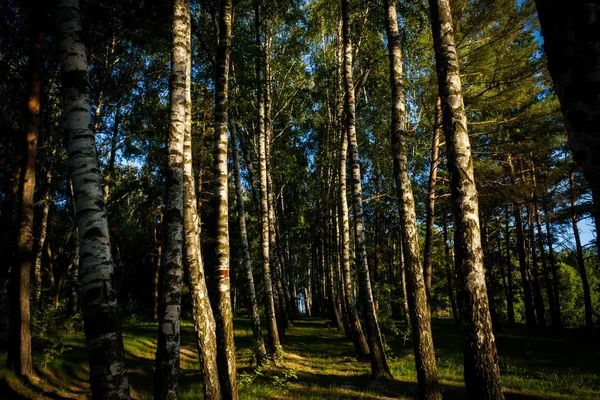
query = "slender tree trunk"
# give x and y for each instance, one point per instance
(417, 293)
(587, 299)
(537, 288)
(540, 241)
(430, 215)
(482, 375)
(110, 169)
(19, 349)
(406, 308)
(166, 378)
(510, 303)
(223, 309)
(37, 273)
(260, 350)
(202, 314)
(523, 267)
(450, 271)
(273, 342)
(553, 266)
(379, 366)
(102, 326)
(571, 44)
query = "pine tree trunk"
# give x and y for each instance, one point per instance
(430, 215)
(537, 288)
(553, 266)
(260, 350)
(587, 299)
(571, 43)
(482, 375)
(102, 326)
(166, 378)
(379, 366)
(273, 342)
(523, 267)
(510, 302)
(222, 306)
(19, 349)
(417, 293)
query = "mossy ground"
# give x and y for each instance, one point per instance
(318, 363)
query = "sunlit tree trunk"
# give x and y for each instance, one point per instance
(19, 348)
(379, 366)
(587, 299)
(260, 350)
(417, 294)
(102, 326)
(202, 314)
(222, 306)
(273, 342)
(166, 378)
(482, 375)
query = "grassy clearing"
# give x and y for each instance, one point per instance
(318, 363)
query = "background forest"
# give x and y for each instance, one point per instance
(288, 224)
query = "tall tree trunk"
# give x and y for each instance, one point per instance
(37, 273)
(537, 288)
(405, 307)
(482, 375)
(553, 266)
(202, 314)
(510, 302)
(430, 216)
(102, 326)
(110, 169)
(260, 350)
(417, 293)
(19, 349)
(523, 267)
(166, 379)
(450, 271)
(273, 342)
(222, 306)
(540, 241)
(587, 299)
(379, 366)
(571, 43)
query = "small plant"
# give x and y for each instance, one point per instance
(284, 382)
(51, 352)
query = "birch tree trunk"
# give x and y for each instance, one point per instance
(19, 349)
(202, 314)
(260, 350)
(273, 342)
(379, 366)
(417, 294)
(166, 379)
(222, 306)
(102, 326)
(482, 375)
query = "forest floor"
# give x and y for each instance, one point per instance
(318, 363)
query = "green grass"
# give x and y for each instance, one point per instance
(319, 363)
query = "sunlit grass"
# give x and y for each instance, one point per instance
(319, 363)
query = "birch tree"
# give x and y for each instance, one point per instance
(102, 326)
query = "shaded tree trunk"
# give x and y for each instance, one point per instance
(553, 266)
(417, 293)
(379, 366)
(587, 299)
(450, 271)
(482, 375)
(430, 212)
(19, 348)
(510, 302)
(37, 274)
(102, 326)
(166, 376)
(571, 43)
(260, 350)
